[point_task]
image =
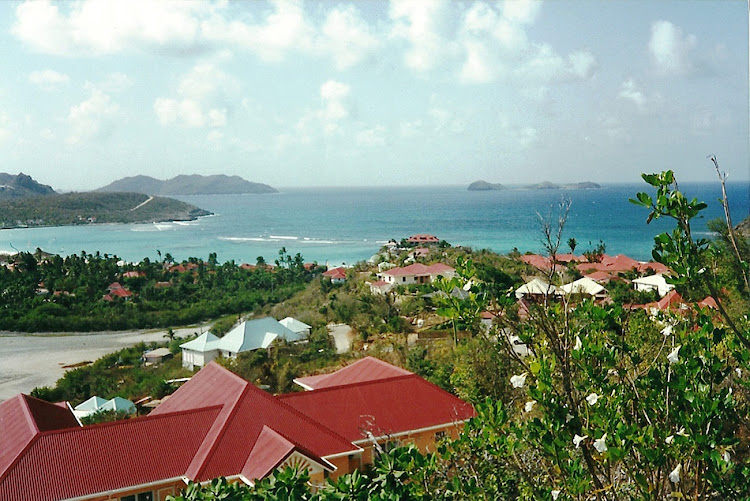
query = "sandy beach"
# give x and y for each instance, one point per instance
(31, 360)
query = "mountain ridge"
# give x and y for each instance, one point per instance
(187, 184)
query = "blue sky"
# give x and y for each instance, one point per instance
(369, 93)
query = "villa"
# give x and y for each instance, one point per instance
(218, 424)
(416, 273)
(260, 333)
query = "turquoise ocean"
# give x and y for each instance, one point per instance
(346, 225)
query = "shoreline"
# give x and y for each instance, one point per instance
(30, 360)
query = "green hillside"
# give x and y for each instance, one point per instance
(93, 207)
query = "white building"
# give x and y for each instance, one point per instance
(653, 283)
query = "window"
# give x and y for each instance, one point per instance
(142, 496)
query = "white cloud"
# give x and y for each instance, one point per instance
(423, 25)
(48, 79)
(335, 96)
(285, 28)
(98, 27)
(347, 37)
(202, 92)
(92, 118)
(495, 46)
(521, 11)
(629, 90)
(186, 112)
(372, 137)
(670, 49)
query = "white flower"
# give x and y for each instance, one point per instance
(592, 399)
(518, 380)
(674, 355)
(738, 371)
(669, 439)
(667, 330)
(529, 405)
(568, 417)
(578, 439)
(555, 494)
(578, 344)
(681, 432)
(600, 445)
(674, 476)
(727, 457)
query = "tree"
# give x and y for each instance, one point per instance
(572, 244)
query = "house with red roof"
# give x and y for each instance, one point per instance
(416, 273)
(367, 403)
(423, 238)
(337, 275)
(218, 424)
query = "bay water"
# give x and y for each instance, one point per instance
(346, 225)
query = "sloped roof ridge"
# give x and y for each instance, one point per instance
(206, 452)
(358, 383)
(26, 409)
(166, 415)
(217, 430)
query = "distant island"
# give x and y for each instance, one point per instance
(188, 185)
(485, 186)
(545, 185)
(21, 185)
(91, 207)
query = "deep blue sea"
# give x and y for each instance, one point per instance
(345, 225)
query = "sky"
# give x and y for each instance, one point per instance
(371, 93)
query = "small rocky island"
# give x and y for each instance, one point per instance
(485, 186)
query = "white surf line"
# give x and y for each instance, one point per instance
(142, 203)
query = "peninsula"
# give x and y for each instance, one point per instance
(90, 207)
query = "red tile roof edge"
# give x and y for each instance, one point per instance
(88, 429)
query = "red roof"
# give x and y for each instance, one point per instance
(114, 286)
(537, 261)
(339, 272)
(366, 369)
(22, 417)
(245, 411)
(120, 293)
(75, 462)
(423, 238)
(709, 302)
(382, 407)
(134, 274)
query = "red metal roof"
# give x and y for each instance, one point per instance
(22, 417)
(382, 407)
(75, 462)
(366, 369)
(246, 409)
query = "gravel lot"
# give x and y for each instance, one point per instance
(31, 360)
